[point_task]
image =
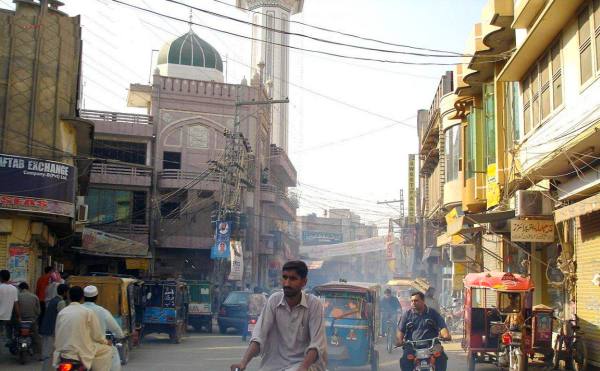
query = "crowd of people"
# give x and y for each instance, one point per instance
(67, 322)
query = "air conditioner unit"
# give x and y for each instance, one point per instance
(533, 203)
(82, 213)
(462, 253)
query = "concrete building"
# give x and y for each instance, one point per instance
(44, 144)
(170, 189)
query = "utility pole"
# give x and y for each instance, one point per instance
(233, 174)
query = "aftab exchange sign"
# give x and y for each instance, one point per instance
(36, 185)
(532, 230)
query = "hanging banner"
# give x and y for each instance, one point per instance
(237, 261)
(18, 262)
(412, 197)
(220, 249)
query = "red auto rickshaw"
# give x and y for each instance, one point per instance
(497, 306)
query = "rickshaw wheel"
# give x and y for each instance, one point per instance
(125, 352)
(471, 361)
(375, 361)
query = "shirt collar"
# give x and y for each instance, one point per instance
(426, 311)
(303, 301)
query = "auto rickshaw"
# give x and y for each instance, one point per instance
(165, 305)
(402, 288)
(117, 294)
(351, 321)
(497, 306)
(200, 307)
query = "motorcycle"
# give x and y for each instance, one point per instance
(21, 346)
(424, 353)
(70, 365)
(511, 353)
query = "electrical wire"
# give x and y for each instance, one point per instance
(344, 56)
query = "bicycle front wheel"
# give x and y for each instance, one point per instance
(390, 339)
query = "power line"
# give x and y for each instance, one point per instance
(295, 47)
(318, 39)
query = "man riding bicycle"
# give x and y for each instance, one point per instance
(421, 323)
(390, 310)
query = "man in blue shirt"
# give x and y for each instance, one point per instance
(425, 323)
(390, 308)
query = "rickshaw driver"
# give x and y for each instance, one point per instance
(418, 315)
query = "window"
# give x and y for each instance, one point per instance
(131, 152)
(585, 45)
(597, 31)
(115, 206)
(170, 209)
(452, 153)
(490, 124)
(172, 160)
(513, 110)
(471, 143)
(542, 89)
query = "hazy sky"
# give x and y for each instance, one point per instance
(334, 147)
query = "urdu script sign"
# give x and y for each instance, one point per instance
(532, 230)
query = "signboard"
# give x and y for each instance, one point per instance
(320, 238)
(532, 230)
(36, 185)
(492, 186)
(237, 261)
(18, 262)
(136, 263)
(97, 242)
(220, 249)
(389, 246)
(412, 197)
(199, 308)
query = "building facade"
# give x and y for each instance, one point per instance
(44, 144)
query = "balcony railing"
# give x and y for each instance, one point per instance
(110, 169)
(118, 228)
(123, 117)
(175, 174)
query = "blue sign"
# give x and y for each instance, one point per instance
(310, 238)
(220, 250)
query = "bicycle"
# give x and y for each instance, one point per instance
(570, 350)
(390, 334)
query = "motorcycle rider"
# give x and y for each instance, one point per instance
(107, 321)
(420, 316)
(53, 307)
(390, 308)
(29, 304)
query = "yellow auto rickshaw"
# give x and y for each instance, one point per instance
(119, 295)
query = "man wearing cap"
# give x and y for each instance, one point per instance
(107, 321)
(78, 335)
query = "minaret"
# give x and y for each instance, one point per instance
(273, 14)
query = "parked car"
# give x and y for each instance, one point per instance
(233, 312)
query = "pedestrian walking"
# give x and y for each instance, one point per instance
(9, 303)
(53, 307)
(78, 335)
(40, 288)
(29, 306)
(290, 333)
(107, 321)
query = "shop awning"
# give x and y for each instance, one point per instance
(464, 224)
(583, 207)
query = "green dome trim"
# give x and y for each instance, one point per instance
(190, 50)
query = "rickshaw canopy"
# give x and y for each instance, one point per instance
(499, 281)
(112, 291)
(399, 282)
(349, 287)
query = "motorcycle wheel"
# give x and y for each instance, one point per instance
(579, 356)
(125, 352)
(375, 361)
(23, 356)
(518, 362)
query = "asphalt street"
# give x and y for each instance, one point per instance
(211, 352)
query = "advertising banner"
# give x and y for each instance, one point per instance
(237, 261)
(324, 252)
(412, 196)
(18, 262)
(96, 242)
(36, 185)
(220, 249)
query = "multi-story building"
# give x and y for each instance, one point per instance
(167, 185)
(554, 144)
(432, 177)
(44, 145)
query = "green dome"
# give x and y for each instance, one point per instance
(190, 50)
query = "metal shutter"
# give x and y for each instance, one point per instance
(3, 251)
(587, 250)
